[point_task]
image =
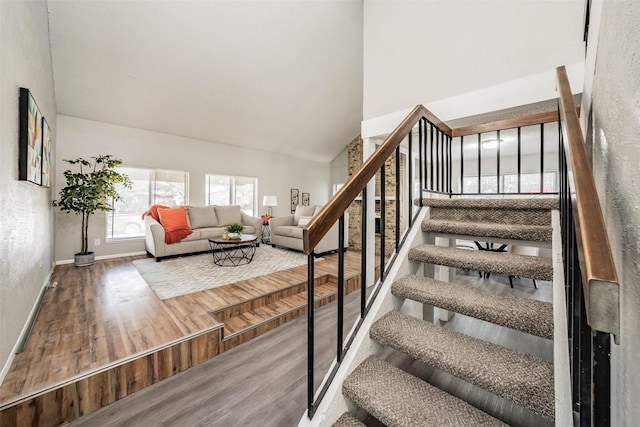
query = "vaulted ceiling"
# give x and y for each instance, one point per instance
(278, 76)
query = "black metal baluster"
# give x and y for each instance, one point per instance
(498, 162)
(438, 161)
(601, 379)
(397, 207)
(420, 160)
(363, 257)
(310, 335)
(339, 350)
(520, 157)
(479, 161)
(431, 186)
(410, 180)
(461, 189)
(541, 158)
(449, 165)
(383, 220)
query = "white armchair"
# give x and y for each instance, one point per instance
(286, 231)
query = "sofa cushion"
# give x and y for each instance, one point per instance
(202, 216)
(285, 230)
(297, 233)
(303, 221)
(210, 232)
(228, 215)
(302, 211)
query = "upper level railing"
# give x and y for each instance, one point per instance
(591, 281)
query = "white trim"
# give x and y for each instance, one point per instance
(98, 258)
(561, 368)
(24, 333)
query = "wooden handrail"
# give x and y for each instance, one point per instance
(331, 212)
(599, 276)
(532, 119)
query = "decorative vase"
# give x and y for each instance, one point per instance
(83, 260)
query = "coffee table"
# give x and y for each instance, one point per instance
(233, 252)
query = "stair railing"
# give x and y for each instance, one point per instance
(591, 281)
(433, 137)
(472, 139)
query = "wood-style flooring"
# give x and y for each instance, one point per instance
(263, 382)
(95, 316)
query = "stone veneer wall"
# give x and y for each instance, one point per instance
(354, 154)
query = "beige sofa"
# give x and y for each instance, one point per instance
(286, 231)
(206, 222)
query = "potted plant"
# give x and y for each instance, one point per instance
(91, 189)
(235, 230)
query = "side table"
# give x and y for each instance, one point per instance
(266, 234)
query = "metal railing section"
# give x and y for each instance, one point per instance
(591, 280)
(434, 138)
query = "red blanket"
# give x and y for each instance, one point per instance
(153, 212)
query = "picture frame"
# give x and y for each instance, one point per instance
(46, 154)
(295, 195)
(30, 155)
(306, 199)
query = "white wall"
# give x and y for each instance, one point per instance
(26, 229)
(276, 174)
(612, 93)
(417, 52)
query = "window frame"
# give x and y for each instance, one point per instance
(152, 198)
(232, 192)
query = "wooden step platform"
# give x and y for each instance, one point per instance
(245, 321)
(102, 334)
(519, 377)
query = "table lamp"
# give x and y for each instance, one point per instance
(269, 202)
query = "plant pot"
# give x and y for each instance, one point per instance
(83, 260)
(234, 235)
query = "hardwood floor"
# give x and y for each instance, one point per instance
(97, 314)
(251, 386)
(96, 317)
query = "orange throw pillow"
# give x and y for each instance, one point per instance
(174, 222)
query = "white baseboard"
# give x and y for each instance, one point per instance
(26, 329)
(98, 258)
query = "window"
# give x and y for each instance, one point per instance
(225, 190)
(148, 187)
(529, 183)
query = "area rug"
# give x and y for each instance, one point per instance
(184, 275)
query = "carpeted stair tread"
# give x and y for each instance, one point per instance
(541, 203)
(525, 232)
(503, 211)
(521, 378)
(522, 314)
(348, 420)
(397, 398)
(508, 264)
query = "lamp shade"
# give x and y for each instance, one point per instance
(270, 201)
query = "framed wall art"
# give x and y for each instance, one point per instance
(305, 199)
(30, 168)
(46, 154)
(295, 193)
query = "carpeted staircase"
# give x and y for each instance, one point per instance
(397, 398)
